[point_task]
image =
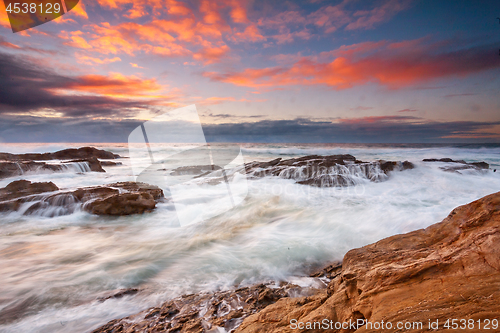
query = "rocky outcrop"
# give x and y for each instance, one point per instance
(205, 312)
(11, 169)
(326, 171)
(124, 198)
(138, 198)
(66, 154)
(79, 160)
(459, 165)
(450, 270)
(23, 188)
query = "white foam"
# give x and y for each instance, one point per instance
(281, 228)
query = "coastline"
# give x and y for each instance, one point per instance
(89, 190)
(430, 276)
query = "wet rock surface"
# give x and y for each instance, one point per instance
(208, 312)
(12, 169)
(459, 165)
(326, 171)
(448, 270)
(79, 160)
(117, 199)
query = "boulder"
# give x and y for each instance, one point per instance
(123, 198)
(122, 204)
(23, 188)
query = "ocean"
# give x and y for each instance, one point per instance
(55, 269)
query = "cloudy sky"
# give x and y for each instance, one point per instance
(266, 71)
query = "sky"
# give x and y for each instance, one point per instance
(385, 71)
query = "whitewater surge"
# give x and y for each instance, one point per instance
(57, 262)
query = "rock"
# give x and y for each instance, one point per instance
(66, 154)
(11, 169)
(326, 171)
(110, 163)
(450, 270)
(122, 204)
(124, 198)
(119, 294)
(93, 163)
(464, 165)
(203, 312)
(22, 188)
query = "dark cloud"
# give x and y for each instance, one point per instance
(39, 129)
(363, 130)
(395, 129)
(460, 95)
(26, 86)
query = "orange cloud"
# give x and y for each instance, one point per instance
(79, 10)
(389, 66)
(116, 85)
(91, 60)
(4, 19)
(210, 55)
(75, 39)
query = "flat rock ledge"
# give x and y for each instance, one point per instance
(450, 270)
(458, 165)
(79, 160)
(326, 171)
(125, 198)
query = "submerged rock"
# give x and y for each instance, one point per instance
(462, 165)
(205, 312)
(80, 160)
(450, 270)
(11, 169)
(326, 171)
(124, 198)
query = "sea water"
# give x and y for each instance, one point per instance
(54, 269)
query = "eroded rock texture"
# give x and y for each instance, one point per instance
(44, 199)
(326, 171)
(448, 270)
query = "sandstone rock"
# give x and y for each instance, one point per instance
(122, 204)
(11, 169)
(22, 188)
(326, 171)
(93, 163)
(115, 199)
(204, 312)
(462, 164)
(450, 270)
